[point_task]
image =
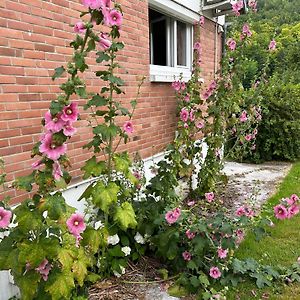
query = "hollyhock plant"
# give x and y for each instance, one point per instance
(244, 117)
(215, 273)
(173, 215)
(190, 235)
(210, 197)
(248, 137)
(187, 98)
(231, 43)
(57, 172)
(293, 199)
(293, 210)
(202, 20)
(200, 124)
(184, 115)
(272, 45)
(280, 212)
(237, 6)
(50, 149)
(128, 127)
(54, 124)
(222, 253)
(5, 216)
(36, 165)
(76, 224)
(187, 256)
(252, 4)
(93, 4)
(79, 27)
(240, 211)
(68, 129)
(104, 42)
(176, 85)
(197, 47)
(44, 268)
(246, 30)
(70, 113)
(115, 18)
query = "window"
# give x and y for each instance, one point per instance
(170, 47)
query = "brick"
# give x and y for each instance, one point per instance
(44, 48)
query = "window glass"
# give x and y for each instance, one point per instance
(181, 43)
(158, 38)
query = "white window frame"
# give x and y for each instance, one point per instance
(173, 71)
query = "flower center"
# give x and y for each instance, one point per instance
(52, 146)
(55, 119)
(69, 111)
(76, 223)
(114, 18)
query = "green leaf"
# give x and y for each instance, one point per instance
(133, 103)
(55, 205)
(28, 284)
(116, 251)
(96, 100)
(191, 265)
(261, 280)
(102, 56)
(92, 238)
(79, 269)
(194, 281)
(105, 196)
(58, 72)
(125, 216)
(91, 45)
(93, 168)
(177, 291)
(87, 193)
(25, 182)
(31, 252)
(66, 258)
(122, 162)
(204, 280)
(115, 80)
(79, 59)
(92, 277)
(60, 285)
(81, 92)
(106, 132)
(6, 247)
(55, 107)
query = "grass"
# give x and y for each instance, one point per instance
(281, 248)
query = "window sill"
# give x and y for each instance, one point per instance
(168, 74)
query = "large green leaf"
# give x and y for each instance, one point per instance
(25, 182)
(66, 258)
(122, 162)
(28, 284)
(104, 196)
(58, 72)
(31, 252)
(61, 285)
(6, 246)
(56, 206)
(92, 238)
(125, 216)
(93, 168)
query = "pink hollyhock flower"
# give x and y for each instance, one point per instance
(240, 211)
(44, 268)
(115, 18)
(128, 127)
(255, 131)
(176, 85)
(173, 215)
(36, 165)
(50, 149)
(192, 116)
(5, 216)
(186, 125)
(68, 129)
(212, 85)
(79, 27)
(190, 235)
(280, 212)
(248, 137)
(243, 117)
(222, 253)
(200, 124)
(246, 30)
(252, 4)
(206, 95)
(237, 6)
(93, 4)
(293, 210)
(106, 4)
(187, 98)
(104, 42)
(137, 175)
(182, 86)
(214, 272)
(70, 112)
(210, 196)
(54, 124)
(187, 255)
(202, 20)
(197, 47)
(56, 171)
(191, 203)
(184, 114)
(272, 45)
(231, 43)
(292, 200)
(76, 224)
(240, 236)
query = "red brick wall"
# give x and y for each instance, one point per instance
(34, 39)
